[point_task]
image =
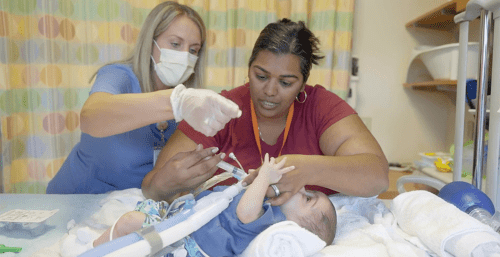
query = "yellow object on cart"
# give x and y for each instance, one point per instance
(442, 166)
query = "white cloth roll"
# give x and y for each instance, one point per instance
(440, 225)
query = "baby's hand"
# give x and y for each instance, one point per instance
(273, 170)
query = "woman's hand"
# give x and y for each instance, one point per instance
(183, 172)
(289, 184)
(203, 109)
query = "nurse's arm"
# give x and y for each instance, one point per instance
(105, 114)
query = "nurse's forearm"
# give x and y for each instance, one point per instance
(105, 114)
(362, 175)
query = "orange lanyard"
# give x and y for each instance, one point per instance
(256, 128)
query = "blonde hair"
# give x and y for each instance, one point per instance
(156, 23)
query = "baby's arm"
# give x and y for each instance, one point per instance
(250, 206)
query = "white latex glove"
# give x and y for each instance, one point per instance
(203, 109)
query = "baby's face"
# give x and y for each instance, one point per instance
(305, 204)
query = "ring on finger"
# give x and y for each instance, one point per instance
(276, 190)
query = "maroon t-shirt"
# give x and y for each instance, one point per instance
(321, 109)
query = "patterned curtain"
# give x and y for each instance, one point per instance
(50, 48)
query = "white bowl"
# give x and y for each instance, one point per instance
(442, 61)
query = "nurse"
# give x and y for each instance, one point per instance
(318, 133)
(135, 104)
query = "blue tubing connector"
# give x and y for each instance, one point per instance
(466, 197)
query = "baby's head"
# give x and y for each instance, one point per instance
(313, 211)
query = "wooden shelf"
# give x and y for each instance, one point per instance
(439, 18)
(442, 85)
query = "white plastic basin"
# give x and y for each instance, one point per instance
(442, 61)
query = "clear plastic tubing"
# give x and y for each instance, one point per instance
(238, 173)
(485, 217)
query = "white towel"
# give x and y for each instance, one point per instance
(365, 227)
(440, 225)
(284, 239)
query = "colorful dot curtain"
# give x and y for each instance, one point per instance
(49, 49)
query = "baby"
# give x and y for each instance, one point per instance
(232, 231)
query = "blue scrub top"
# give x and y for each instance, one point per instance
(98, 165)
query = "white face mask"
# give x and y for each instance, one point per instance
(174, 67)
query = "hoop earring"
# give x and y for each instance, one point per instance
(297, 97)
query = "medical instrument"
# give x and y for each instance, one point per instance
(7, 249)
(472, 201)
(238, 173)
(463, 195)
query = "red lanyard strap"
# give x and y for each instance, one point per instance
(255, 126)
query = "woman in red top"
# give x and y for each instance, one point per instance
(319, 133)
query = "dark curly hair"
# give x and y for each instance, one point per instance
(324, 225)
(288, 37)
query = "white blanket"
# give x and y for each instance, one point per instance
(366, 227)
(284, 239)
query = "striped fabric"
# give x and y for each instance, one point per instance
(50, 48)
